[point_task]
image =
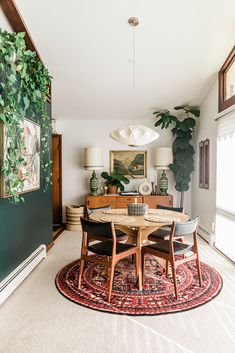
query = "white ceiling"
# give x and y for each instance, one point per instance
(87, 46)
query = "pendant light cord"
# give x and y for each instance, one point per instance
(133, 60)
(133, 22)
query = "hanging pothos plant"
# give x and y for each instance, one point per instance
(24, 90)
(182, 129)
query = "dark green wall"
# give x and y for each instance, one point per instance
(23, 228)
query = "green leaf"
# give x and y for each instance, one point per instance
(38, 94)
(180, 107)
(12, 79)
(3, 118)
(187, 124)
(159, 122)
(1, 101)
(26, 102)
(195, 112)
(105, 175)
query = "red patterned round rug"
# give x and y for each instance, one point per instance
(157, 296)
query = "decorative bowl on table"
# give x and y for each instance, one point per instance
(137, 209)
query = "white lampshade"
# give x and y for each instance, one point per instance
(134, 135)
(163, 157)
(93, 158)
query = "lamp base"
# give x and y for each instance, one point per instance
(94, 184)
(163, 184)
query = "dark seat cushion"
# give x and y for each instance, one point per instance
(105, 248)
(163, 246)
(120, 235)
(160, 233)
(175, 209)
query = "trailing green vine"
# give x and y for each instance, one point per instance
(24, 90)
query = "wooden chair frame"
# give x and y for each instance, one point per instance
(111, 260)
(170, 257)
(89, 211)
(168, 228)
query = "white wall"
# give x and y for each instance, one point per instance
(204, 200)
(4, 23)
(77, 134)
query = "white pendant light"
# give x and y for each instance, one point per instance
(134, 135)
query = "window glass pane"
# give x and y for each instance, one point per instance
(225, 187)
(226, 173)
(225, 236)
(230, 81)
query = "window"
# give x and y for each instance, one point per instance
(227, 82)
(225, 202)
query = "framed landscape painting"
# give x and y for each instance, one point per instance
(29, 171)
(132, 164)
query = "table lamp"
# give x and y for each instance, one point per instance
(163, 158)
(93, 161)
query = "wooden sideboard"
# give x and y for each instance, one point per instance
(117, 201)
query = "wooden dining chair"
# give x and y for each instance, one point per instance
(164, 232)
(121, 236)
(170, 250)
(109, 247)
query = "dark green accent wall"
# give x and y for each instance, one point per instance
(23, 228)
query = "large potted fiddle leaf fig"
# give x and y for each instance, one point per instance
(182, 128)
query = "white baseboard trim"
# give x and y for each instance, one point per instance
(12, 281)
(207, 236)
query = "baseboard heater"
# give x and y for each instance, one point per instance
(207, 236)
(12, 281)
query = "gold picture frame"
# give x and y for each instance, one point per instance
(132, 164)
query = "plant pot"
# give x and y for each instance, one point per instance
(112, 189)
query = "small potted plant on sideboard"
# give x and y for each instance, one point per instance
(114, 182)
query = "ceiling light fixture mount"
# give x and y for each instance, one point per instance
(133, 21)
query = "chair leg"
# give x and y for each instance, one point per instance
(167, 267)
(143, 267)
(137, 265)
(199, 271)
(174, 278)
(111, 282)
(80, 273)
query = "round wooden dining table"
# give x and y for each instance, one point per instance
(138, 228)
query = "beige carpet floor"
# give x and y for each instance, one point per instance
(36, 318)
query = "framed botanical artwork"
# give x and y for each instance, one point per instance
(29, 170)
(132, 164)
(204, 160)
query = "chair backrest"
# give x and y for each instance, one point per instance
(96, 209)
(185, 228)
(98, 230)
(175, 209)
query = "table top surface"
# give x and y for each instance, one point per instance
(155, 217)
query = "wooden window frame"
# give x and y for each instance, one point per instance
(225, 103)
(17, 23)
(204, 164)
